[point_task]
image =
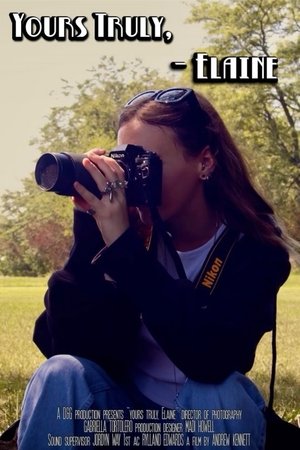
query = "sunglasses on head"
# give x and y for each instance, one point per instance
(171, 96)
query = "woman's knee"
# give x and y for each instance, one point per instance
(68, 369)
(59, 366)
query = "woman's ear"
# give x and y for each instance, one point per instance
(206, 164)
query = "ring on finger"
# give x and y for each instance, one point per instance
(91, 211)
(119, 184)
(109, 190)
(112, 186)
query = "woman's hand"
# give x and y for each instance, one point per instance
(110, 211)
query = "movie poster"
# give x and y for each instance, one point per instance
(54, 54)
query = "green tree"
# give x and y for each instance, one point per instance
(264, 118)
(36, 227)
(35, 231)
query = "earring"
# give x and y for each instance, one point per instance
(204, 177)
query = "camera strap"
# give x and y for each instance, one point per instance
(159, 229)
(206, 282)
(215, 261)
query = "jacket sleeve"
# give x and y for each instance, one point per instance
(87, 241)
(207, 342)
(85, 315)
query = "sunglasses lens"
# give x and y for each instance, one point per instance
(141, 97)
(172, 95)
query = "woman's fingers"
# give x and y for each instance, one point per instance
(96, 172)
(80, 203)
(108, 175)
(89, 199)
(95, 151)
(108, 166)
(109, 208)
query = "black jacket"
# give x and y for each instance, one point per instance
(87, 315)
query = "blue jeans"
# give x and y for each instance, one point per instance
(72, 403)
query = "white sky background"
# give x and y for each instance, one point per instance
(31, 71)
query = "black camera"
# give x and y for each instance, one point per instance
(56, 172)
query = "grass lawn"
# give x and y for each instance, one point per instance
(21, 300)
(287, 386)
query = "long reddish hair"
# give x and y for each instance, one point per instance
(229, 190)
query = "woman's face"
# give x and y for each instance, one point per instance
(181, 187)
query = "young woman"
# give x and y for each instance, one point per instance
(128, 326)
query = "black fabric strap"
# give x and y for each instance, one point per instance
(274, 359)
(159, 228)
(216, 259)
(209, 276)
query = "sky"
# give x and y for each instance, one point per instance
(31, 72)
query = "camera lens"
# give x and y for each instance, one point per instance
(49, 176)
(56, 172)
(47, 172)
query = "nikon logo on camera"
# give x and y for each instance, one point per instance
(211, 275)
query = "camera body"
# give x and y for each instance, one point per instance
(143, 171)
(57, 172)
